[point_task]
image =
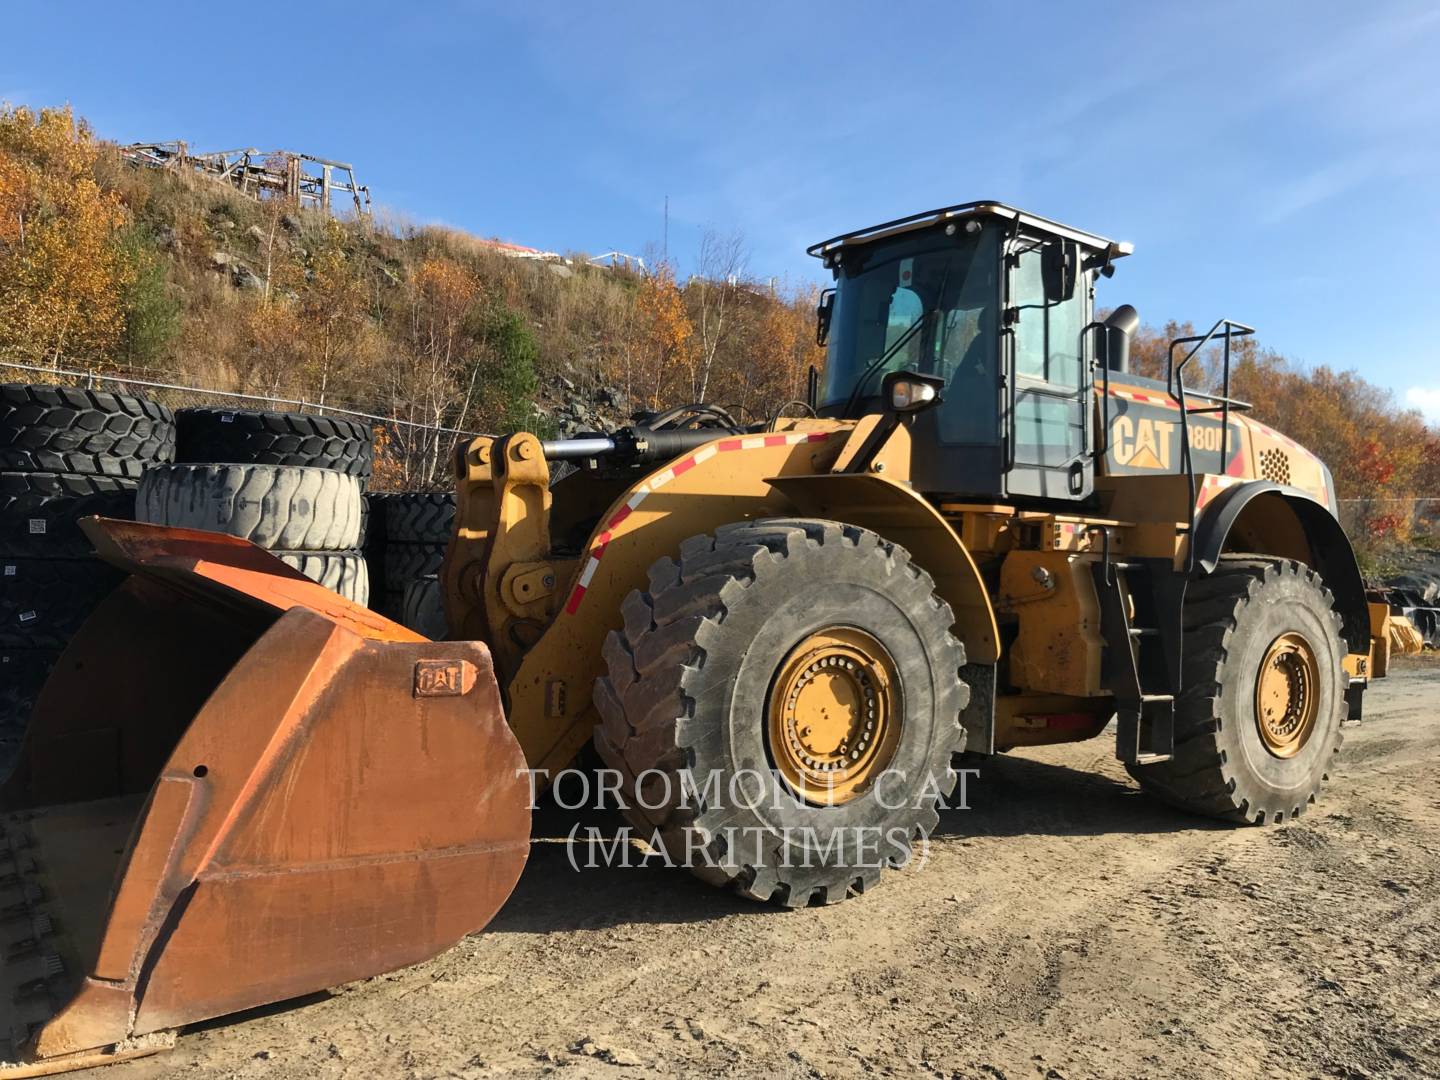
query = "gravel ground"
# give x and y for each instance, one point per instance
(1065, 926)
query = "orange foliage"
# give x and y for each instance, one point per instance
(445, 291)
(1384, 459)
(1374, 464)
(62, 271)
(658, 358)
(389, 471)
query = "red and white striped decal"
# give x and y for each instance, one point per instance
(660, 479)
(1145, 399)
(1278, 437)
(1211, 486)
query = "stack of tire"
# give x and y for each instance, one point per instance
(290, 482)
(65, 453)
(406, 546)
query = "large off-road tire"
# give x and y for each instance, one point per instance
(698, 691)
(40, 512)
(405, 563)
(1258, 722)
(275, 506)
(44, 601)
(253, 437)
(424, 608)
(64, 429)
(343, 572)
(417, 517)
(22, 673)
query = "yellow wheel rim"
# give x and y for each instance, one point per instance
(1287, 695)
(834, 715)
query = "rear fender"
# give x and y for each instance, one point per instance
(1267, 518)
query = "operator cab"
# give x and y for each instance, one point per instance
(996, 302)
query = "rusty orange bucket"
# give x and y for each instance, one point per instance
(239, 787)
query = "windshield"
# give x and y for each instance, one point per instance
(946, 285)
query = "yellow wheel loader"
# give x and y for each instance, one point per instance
(985, 532)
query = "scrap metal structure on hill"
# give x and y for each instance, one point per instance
(303, 179)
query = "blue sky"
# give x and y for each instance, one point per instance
(1273, 162)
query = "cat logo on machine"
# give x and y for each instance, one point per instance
(1141, 443)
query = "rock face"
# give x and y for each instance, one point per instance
(575, 402)
(245, 278)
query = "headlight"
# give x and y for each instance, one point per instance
(907, 395)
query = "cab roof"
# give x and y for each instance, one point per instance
(1115, 249)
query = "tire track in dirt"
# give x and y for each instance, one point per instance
(1066, 926)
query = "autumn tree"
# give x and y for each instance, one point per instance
(63, 268)
(426, 382)
(770, 350)
(710, 297)
(334, 313)
(660, 355)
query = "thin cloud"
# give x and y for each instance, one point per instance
(1323, 184)
(1426, 399)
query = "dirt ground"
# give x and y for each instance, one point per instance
(1065, 926)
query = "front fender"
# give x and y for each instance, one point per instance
(896, 512)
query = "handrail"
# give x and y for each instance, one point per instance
(1175, 384)
(1102, 358)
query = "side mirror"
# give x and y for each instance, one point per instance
(1060, 270)
(1118, 328)
(823, 314)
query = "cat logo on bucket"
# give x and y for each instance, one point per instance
(443, 678)
(1141, 443)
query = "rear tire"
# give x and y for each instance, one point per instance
(1236, 758)
(688, 700)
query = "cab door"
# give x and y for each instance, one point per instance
(1049, 436)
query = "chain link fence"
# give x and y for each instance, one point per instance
(409, 456)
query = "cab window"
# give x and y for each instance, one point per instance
(1047, 336)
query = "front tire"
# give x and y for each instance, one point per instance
(1258, 721)
(783, 705)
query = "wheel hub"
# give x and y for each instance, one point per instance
(834, 719)
(1286, 695)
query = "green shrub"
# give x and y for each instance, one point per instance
(151, 313)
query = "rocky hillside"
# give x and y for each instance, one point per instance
(107, 265)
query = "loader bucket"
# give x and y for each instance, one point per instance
(239, 787)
